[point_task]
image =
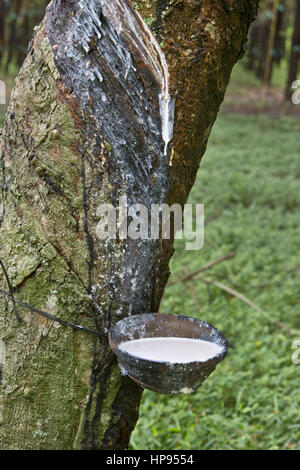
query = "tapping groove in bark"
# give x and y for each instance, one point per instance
(90, 120)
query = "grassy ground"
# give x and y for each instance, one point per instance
(249, 182)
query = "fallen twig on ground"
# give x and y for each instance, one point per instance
(244, 299)
(189, 276)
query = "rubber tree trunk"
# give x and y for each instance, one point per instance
(2, 28)
(295, 52)
(89, 121)
(13, 43)
(270, 46)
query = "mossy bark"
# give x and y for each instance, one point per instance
(77, 134)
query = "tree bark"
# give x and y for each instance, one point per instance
(268, 68)
(17, 20)
(295, 52)
(84, 127)
(2, 28)
(13, 42)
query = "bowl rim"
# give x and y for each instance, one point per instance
(140, 361)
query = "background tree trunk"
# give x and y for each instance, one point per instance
(2, 28)
(84, 127)
(270, 45)
(13, 44)
(17, 20)
(295, 52)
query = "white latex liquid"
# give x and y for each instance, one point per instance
(173, 350)
(131, 25)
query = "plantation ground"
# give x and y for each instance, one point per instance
(249, 183)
